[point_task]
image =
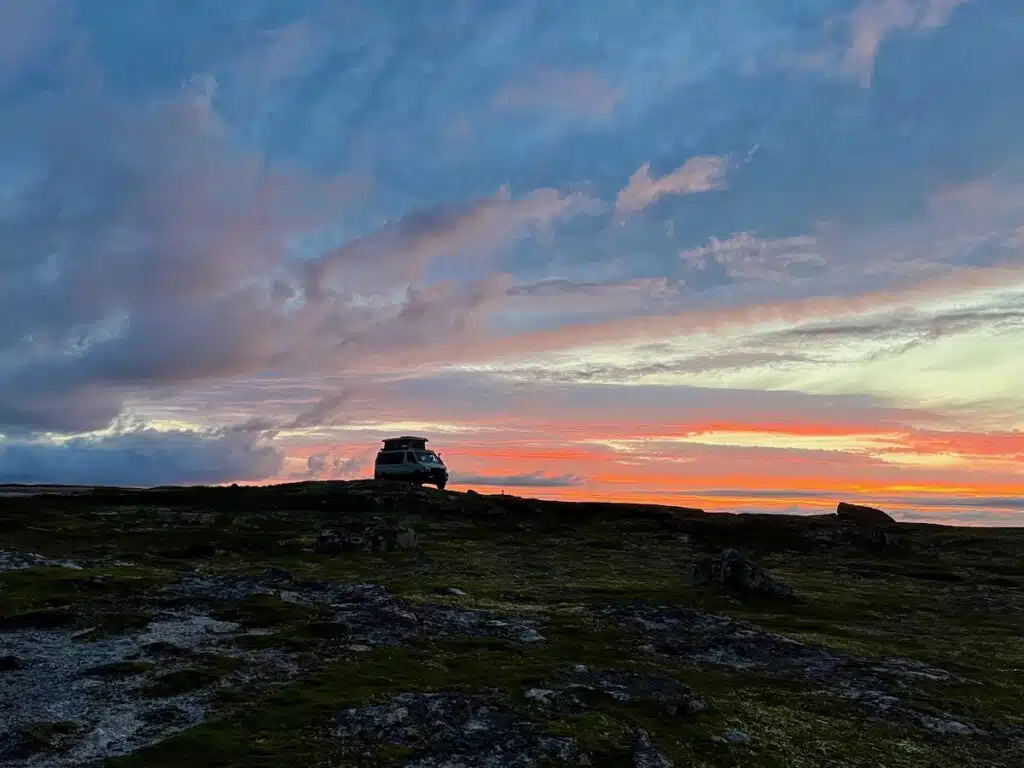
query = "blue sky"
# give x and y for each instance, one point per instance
(244, 241)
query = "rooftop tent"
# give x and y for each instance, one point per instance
(407, 442)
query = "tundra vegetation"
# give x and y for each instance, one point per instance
(377, 624)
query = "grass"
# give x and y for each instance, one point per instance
(545, 560)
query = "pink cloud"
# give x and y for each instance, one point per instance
(872, 21)
(400, 253)
(698, 174)
(487, 346)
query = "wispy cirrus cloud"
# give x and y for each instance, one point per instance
(872, 21)
(401, 252)
(580, 92)
(864, 30)
(747, 257)
(698, 174)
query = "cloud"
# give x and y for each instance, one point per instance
(868, 26)
(401, 252)
(585, 93)
(527, 480)
(27, 30)
(698, 174)
(141, 456)
(323, 413)
(152, 253)
(280, 53)
(745, 256)
(874, 20)
(725, 315)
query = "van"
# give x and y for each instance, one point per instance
(407, 458)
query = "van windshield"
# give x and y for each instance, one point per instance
(427, 457)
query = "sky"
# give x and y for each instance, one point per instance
(734, 254)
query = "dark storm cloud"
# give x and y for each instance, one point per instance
(140, 457)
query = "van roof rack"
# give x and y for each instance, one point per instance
(405, 441)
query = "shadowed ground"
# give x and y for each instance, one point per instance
(200, 627)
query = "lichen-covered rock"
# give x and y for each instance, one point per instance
(452, 730)
(16, 561)
(732, 570)
(858, 514)
(569, 694)
(694, 637)
(450, 592)
(878, 538)
(374, 538)
(646, 755)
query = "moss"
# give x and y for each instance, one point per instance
(180, 681)
(48, 736)
(607, 738)
(549, 561)
(121, 622)
(9, 663)
(120, 669)
(205, 670)
(263, 611)
(44, 618)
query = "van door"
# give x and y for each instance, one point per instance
(411, 468)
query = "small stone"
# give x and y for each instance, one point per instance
(278, 574)
(645, 754)
(540, 695)
(451, 592)
(734, 736)
(945, 727)
(10, 663)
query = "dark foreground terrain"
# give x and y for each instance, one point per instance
(218, 627)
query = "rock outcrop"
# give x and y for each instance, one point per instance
(375, 538)
(733, 571)
(861, 515)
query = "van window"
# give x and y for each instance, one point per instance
(391, 457)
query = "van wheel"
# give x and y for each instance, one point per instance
(441, 485)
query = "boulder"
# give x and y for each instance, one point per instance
(735, 572)
(645, 754)
(861, 515)
(374, 538)
(877, 538)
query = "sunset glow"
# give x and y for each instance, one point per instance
(719, 255)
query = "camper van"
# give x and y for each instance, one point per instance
(407, 458)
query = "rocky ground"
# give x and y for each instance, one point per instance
(369, 624)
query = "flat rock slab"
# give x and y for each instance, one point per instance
(63, 678)
(691, 636)
(371, 614)
(458, 730)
